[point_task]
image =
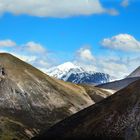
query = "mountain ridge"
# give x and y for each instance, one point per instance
(120, 84)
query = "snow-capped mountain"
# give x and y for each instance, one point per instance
(77, 74)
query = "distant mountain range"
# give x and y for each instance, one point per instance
(74, 73)
(120, 84)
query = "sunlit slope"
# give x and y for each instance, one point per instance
(32, 98)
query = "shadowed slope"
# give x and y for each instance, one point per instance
(117, 117)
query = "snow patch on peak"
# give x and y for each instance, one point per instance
(67, 66)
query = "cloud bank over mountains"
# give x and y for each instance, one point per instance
(37, 55)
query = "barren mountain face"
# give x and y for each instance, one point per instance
(31, 101)
(117, 117)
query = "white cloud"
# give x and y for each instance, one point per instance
(53, 8)
(31, 52)
(123, 42)
(26, 58)
(85, 54)
(34, 47)
(113, 12)
(112, 64)
(41, 63)
(115, 68)
(7, 43)
(125, 3)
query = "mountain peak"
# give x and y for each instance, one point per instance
(135, 73)
(67, 66)
(4, 54)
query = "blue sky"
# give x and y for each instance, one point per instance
(108, 33)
